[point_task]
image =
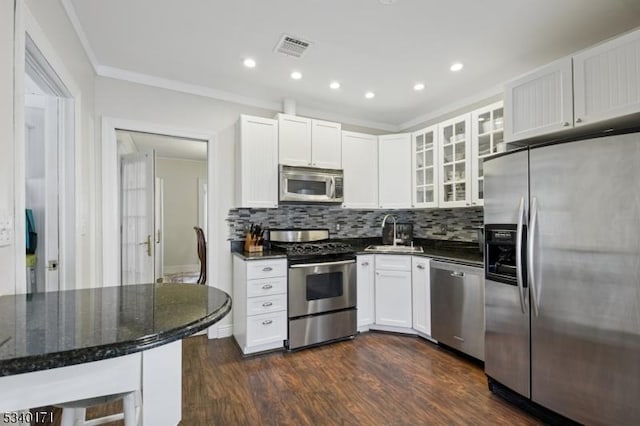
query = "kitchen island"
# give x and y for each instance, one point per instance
(69, 345)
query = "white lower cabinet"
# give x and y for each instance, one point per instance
(393, 291)
(365, 280)
(420, 280)
(259, 304)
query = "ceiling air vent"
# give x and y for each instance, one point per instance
(292, 46)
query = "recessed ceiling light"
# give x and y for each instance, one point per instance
(387, 1)
(334, 85)
(418, 86)
(456, 66)
(296, 75)
(369, 95)
(249, 63)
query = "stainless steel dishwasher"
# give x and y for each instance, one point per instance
(457, 307)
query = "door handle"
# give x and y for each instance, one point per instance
(519, 255)
(530, 246)
(148, 243)
(420, 266)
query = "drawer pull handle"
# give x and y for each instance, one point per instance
(267, 286)
(457, 274)
(420, 266)
(267, 322)
(267, 269)
(365, 263)
(266, 304)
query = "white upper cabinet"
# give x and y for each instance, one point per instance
(394, 171)
(325, 144)
(257, 171)
(487, 137)
(424, 168)
(309, 143)
(455, 162)
(360, 164)
(540, 102)
(294, 136)
(607, 80)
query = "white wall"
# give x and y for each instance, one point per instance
(125, 100)
(180, 211)
(7, 254)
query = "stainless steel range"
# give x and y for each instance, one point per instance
(321, 284)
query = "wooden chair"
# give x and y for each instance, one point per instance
(202, 255)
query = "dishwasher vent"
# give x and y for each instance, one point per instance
(292, 46)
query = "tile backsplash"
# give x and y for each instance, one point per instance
(444, 224)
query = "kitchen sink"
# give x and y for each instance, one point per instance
(395, 249)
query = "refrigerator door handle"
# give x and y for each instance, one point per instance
(531, 244)
(519, 255)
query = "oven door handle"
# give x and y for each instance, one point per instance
(308, 265)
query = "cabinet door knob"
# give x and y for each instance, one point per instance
(365, 263)
(267, 322)
(578, 120)
(267, 304)
(267, 286)
(467, 204)
(267, 269)
(420, 266)
(565, 124)
(473, 203)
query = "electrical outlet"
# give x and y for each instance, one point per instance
(337, 226)
(6, 230)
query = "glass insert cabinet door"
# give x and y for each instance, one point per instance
(425, 167)
(488, 139)
(455, 153)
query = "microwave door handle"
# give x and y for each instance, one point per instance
(332, 190)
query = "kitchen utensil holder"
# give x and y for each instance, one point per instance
(251, 244)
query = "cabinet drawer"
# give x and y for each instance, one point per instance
(266, 268)
(266, 304)
(387, 262)
(266, 286)
(266, 328)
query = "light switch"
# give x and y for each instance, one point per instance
(6, 230)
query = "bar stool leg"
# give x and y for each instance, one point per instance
(129, 406)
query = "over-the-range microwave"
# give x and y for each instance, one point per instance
(310, 185)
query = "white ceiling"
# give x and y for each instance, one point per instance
(165, 146)
(363, 44)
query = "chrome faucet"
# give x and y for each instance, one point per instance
(394, 226)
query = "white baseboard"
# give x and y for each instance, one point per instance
(176, 269)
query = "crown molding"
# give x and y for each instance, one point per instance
(459, 104)
(82, 36)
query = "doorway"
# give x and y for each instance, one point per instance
(162, 194)
(49, 184)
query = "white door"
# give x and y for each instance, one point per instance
(421, 294)
(394, 168)
(540, 102)
(42, 182)
(393, 298)
(424, 157)
(325, 144)
(365, 279)
(294, 136)
(455, 162)
(487, 138)
(159, 228)
(606, 82)
(137, 215)
(360, 165)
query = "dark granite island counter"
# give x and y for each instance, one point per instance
(76, 344)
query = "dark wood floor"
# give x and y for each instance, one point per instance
(375, 379)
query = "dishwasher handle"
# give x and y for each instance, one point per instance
(457, 274)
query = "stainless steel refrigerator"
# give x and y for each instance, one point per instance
(562, 266)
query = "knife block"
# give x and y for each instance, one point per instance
(251, 244)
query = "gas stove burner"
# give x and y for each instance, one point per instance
(317, 248)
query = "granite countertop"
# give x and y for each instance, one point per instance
(49, 330)
(266, 254)
(462, 252)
